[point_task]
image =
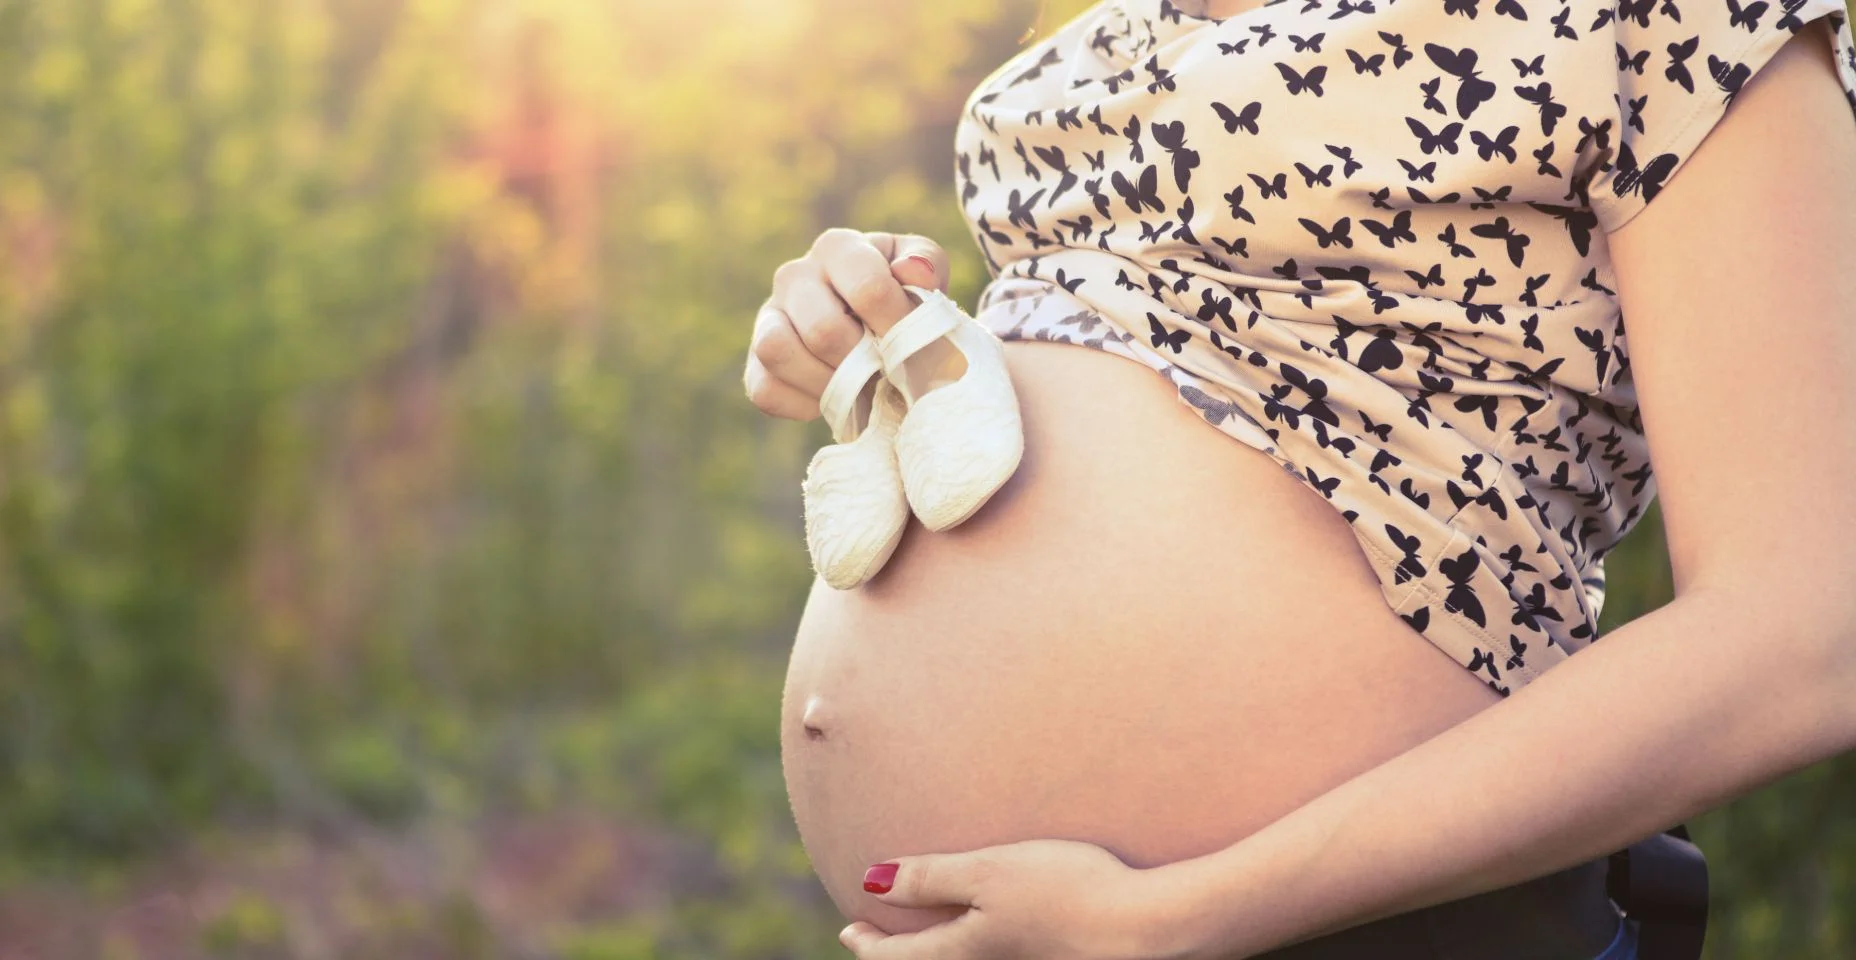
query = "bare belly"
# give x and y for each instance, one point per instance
(1152, 639)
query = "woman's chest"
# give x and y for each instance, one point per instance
(1436, 148)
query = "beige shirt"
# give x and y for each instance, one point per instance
(1367, 237)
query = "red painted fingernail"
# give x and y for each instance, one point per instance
(880, 878)
(926, 263)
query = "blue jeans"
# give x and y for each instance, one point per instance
(1624, 946)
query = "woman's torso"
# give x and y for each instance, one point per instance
(1152, 638)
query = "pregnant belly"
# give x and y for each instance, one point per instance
(1152, 639)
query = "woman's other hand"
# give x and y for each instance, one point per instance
(820, 304)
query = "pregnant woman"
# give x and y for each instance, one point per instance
(1282, 638)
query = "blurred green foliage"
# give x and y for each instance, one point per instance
(374, 466)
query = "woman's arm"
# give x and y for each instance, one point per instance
(1739, 285)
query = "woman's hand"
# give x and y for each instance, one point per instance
(820, 305)
(1032, 900)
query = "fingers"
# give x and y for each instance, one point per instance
(945, 939)
(823, 303)
(781, 349)
(920, 261)
(775, 397)
(860, 273)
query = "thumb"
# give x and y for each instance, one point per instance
(919, 261)
(924, 880)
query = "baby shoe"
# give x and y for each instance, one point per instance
(962, 437)
(855, 511)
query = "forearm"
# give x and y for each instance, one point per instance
(1671, 715)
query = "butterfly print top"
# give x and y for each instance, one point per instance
(1368, 238)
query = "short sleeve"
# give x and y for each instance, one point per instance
(1679, 65)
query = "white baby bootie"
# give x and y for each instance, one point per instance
(855, 510)
(962, 437)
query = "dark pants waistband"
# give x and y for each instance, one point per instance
(1561, 916)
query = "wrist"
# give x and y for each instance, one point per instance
(1170, 918)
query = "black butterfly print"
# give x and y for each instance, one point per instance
(1093, 187)
(1021, 211)
(1411, 567)
(1085, 321)
(1649, 178)
(1172, 138)
(1527, 68)
(1501, 145)
(1312, 177)
(1184, 233)
(1069, 119)
(1510, 8)
(1304, 45)
(1146, 194)
(1391, 234)
(1163, 78)
(1095, 159)
(1487, 199)
(1748, 16)
(1236, 199)
(1635, 109)
(1500, 230)
(1560, 30)
(1417, 196)
(1541, 96)
(1448, 236)
(1465, 7)
(1053, 157)
(1215, 410)
(1730, 77)
(1151, 232)
(1400, 53)
(1238, 249)
(1544, 156)
(1433, 278)
(1638, 10)
(1339, 234)
(1430, 88)
(1031, 169)
(1472, 91)
(1050, 58)
(1162, 337)
(1461, 596)
(1229, 49)
(1136, 154)
(1632, 62)
(1348, 165)
(1366, 64)
(1245, 119)
(988, 158)
(1236, 352)
(1427, 173)
(1264, 34)
(993, 234)
(1081, 228)
(1444, 139)
(1298, 82)
(1168, 11)
(1279, 185)
(1678, 62)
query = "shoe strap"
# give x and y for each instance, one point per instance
(838, 402)
(936, 317)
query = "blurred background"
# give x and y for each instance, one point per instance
(390, 562)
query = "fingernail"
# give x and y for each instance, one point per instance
(880, 878)
(926, 263)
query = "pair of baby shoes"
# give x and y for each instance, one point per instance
(926, 421)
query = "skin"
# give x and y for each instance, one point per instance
(1762, 632)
